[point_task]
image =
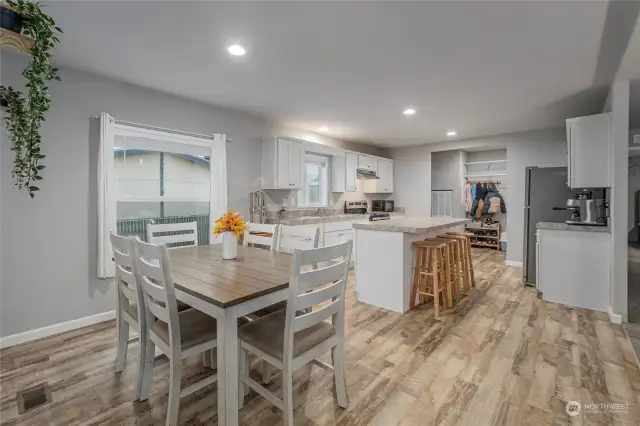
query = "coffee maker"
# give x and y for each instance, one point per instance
(586, 210)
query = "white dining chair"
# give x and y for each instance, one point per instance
(289, 239)
(182, 234)
(292, 338)
(129, 305)
(257, 233)
(177, 334)
(297, 237)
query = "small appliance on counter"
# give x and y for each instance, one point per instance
(356, 207)
(586, 210)
(382, 206)
(379, 216)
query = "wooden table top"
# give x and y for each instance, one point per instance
(201, 272)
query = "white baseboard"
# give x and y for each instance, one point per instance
(614, 318)
(513, 263)
(50, 330)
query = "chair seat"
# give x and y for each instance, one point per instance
(195, 327)
(271, 309)
(267, 334)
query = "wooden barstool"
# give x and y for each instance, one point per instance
(466, 253)
(430, 275)
(459, 277)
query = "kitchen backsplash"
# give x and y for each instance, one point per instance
(276, 199)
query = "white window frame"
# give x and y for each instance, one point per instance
(152, 139)
(303, 193)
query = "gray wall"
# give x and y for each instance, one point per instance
(49, 244)
(447, 173)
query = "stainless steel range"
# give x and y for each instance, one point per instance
(356, 207)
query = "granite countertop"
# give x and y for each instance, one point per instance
(312, 220)
(561, 226)
(412, 225)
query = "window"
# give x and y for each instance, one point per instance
(315, 192)
(149, 176)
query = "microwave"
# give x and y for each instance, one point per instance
(382, 206)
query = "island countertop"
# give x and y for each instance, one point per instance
(412, 225)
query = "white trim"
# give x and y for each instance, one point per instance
(160, 199)
(50, 330)
(614, 318)
(513, 263)
(484, 175)
(470, 163)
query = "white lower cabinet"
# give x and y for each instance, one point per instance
(573, 268)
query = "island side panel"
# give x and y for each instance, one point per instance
(380, 267)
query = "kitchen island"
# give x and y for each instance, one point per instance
(385, 257)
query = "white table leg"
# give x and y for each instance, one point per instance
(228, 368)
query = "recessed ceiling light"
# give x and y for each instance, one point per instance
(409, 111)
(452, 133)
(324, 129)
(236, 50)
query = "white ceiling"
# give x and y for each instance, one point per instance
(481, 68)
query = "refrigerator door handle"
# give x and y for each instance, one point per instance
(525, 255)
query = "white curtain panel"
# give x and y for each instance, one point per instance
(106, 197)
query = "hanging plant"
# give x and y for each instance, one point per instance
(25, 113)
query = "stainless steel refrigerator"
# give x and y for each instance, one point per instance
(545, 188)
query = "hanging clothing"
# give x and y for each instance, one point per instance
(494, 205)
(468, 201)
(492, 192)
(480, 209)
(473, 192)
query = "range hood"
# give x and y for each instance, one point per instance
(366, 174)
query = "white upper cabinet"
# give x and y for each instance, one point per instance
(343, 172)
(282, 164)
(384, 185)
(589, 151)
(385, 173)
(351, 161)
(366, 162)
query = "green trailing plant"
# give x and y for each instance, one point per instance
(25, 112)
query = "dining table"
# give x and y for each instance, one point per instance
(228, 290)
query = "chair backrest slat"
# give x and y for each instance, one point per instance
(318, 296)
(321, 276)
(312, 318)
(297, 237)
(125, 277)
(154, 290)
(323, 254)
(154, 268)
(261, 234)
(317, 286)
(182, 234)
(158, 311)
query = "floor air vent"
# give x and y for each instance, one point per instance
(34, 397)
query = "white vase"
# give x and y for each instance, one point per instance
(229, 246)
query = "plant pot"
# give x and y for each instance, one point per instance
(229, 246)
(10, 20)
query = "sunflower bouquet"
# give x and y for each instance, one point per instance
(230, 222)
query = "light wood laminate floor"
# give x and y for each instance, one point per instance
(501, 357)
